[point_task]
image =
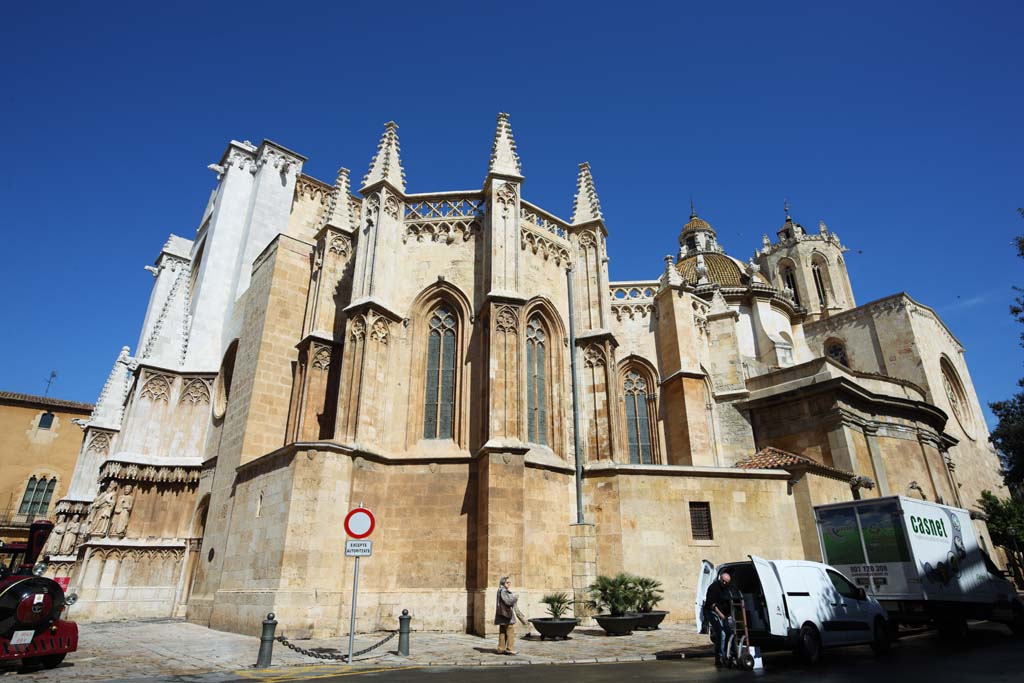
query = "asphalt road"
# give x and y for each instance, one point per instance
(990, 653)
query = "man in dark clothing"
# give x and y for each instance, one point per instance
(718, 610)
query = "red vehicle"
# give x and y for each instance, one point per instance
(31, 628)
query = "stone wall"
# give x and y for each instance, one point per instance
(643, 526)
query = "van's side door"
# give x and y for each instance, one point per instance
(853, 626)
(774, 598)
(705, 578)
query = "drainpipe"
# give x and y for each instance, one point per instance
(575, 400)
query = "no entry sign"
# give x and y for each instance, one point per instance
(359, 523)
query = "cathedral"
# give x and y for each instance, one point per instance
(460, 363)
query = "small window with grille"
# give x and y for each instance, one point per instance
(836, 350)
(700, 521)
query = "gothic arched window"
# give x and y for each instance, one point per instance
(836, 350)
(536, 382)
(819, 270)
(956, 397)
(789, 281)
(638, 423)
(439, 403)
(36, 500)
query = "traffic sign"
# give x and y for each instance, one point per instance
(358, 548)
(359, 523)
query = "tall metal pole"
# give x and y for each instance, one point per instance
(575, 400)
(352, 620)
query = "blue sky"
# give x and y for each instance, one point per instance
(897, 123)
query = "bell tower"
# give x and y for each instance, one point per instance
(809, 267)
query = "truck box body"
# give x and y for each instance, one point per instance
(906, 551)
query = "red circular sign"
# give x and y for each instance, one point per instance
(359, 523)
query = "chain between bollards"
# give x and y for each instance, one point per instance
(267, 639)
(266, 642)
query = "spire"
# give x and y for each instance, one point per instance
(693, 209)
(785, 207)
(585, 206)
(109, 408)
(339, 210)
(386, 164)
(504, 158)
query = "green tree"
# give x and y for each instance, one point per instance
(1006, 526)
(1005, 520)
(1008, 436)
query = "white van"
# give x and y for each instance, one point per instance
(799, 605)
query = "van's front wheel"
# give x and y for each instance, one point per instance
(810, 644)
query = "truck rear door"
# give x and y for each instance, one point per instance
(704, 581)
(774, 598)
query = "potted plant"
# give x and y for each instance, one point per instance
(618, 595)
(556, 626)
(648, 595)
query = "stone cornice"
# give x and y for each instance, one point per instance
(616, 469)
(922, 410)
(165, 474)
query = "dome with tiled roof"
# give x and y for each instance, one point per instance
(722, 270)
(696, 224)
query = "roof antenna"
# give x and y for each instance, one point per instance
(53, 376)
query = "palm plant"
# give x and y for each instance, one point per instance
(648, 594)
(558, 604)
(617, 594)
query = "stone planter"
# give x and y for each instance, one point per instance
(554, 628)
(617, 626)
(649, 621)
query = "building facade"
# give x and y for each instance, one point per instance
(429, 354)
(39, 444)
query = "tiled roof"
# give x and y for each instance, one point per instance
(721, 270)
(778, 459)
(11, 397)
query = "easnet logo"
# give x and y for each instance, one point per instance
(928, 527)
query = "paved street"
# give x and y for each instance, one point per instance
(990, 654)
(187, 653)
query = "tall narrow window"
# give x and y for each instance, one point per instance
(638, 425)
(536, 382)
(789, 280)
(439, 404)
(38, 493)
(819, 284)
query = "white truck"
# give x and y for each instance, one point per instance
(920, 560)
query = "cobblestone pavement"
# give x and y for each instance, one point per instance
(166, 648)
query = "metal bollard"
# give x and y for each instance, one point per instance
(266, 642)
(403, 633)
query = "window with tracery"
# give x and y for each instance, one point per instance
(439, 403)
(956, 396)
(638, 425)
(38, 493)
(789, 280)
(536, 382)
(836, 350)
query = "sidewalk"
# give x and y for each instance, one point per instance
(165, 648)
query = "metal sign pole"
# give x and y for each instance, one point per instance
(352, 621)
